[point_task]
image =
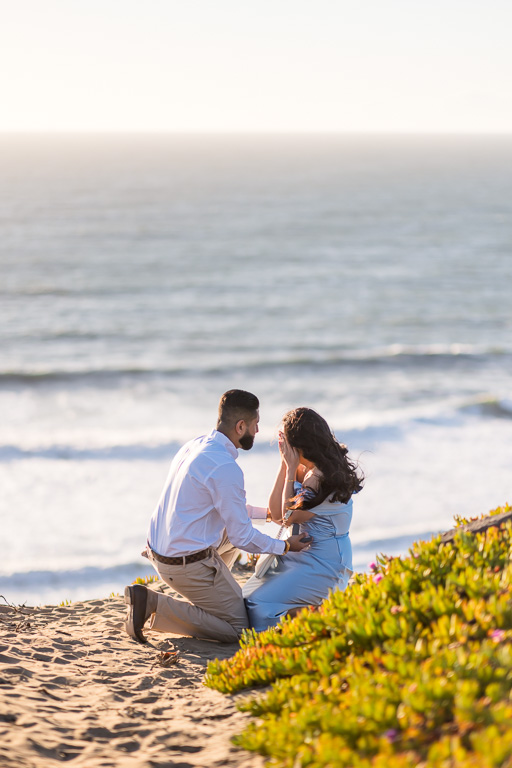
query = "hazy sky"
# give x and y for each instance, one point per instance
(264, 65)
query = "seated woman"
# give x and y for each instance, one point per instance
(314, 488)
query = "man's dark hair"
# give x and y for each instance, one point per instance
(235, 405)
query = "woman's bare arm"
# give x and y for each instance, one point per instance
(291, 461)
(276, 495)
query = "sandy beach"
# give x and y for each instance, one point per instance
(74, 688)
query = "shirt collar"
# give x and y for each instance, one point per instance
(219, 437)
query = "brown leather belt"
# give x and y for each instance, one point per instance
(183, 559)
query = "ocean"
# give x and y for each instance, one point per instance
(368, 277)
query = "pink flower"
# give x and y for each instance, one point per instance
(396, 609)
(372, 566)
(391, 735)
(378, 577)
(498, 635)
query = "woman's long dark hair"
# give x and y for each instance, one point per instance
(310, 434)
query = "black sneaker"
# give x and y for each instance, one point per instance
(136, 597)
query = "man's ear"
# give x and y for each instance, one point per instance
(240, 427)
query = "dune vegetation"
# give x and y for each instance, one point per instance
(410, 666)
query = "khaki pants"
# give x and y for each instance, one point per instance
(216, 609)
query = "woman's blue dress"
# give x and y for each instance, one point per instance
(305, 578)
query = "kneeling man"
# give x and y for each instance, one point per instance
(197, 530)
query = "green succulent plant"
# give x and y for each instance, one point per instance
(410, 666)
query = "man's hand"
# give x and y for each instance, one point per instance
(299, 542)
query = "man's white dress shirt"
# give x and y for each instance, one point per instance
(203, 496)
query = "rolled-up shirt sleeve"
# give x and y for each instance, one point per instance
(256, 513)
(226, 485)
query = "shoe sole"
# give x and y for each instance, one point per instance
(129, 625)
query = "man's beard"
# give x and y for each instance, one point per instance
(246, 442)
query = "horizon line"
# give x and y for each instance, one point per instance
(246, 132)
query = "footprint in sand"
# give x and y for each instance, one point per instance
(127, 746)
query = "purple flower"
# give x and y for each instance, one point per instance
(391, 735)
(498, 635)
(378, 577)
(372, 566)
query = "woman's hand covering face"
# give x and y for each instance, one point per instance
(289, 455)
